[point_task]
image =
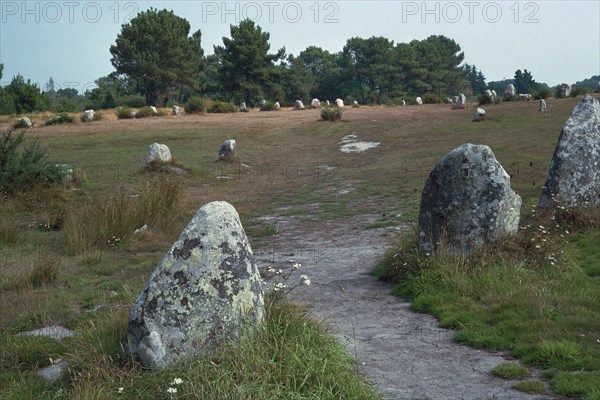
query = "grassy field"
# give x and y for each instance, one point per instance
(69, 255)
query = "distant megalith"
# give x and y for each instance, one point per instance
(564, 90)
(461, 102)
(201, 293)
(419, 101)
(479, 115)
(574, 175)
(176, 110)
(511, 92)
(24, 122)
(543, 106)
(467, 201)
(339, 103)
(158, 153)
(315, 103)
(227, 149)
(298, 105)
(88, 115)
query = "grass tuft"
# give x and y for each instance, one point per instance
(510, 371)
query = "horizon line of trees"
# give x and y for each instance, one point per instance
(157, 62)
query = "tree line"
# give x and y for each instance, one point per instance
(158, 62)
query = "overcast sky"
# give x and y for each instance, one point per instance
(69, 40)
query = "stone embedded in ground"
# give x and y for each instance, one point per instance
(88, 115)
(525, 96)
(158, 153)
(564, 90)
(419, 101)
(511, 92)
(201, 293)
(298, 105)
(54, 372)
(461, 102)
(479, 114)
(543, 106)
(355, 104)
(315, 103)
(25, 121)
(227, 149)
(56, 332)
(467, 201)
(574, 175)
(339, 103)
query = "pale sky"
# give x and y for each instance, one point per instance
(69, 40)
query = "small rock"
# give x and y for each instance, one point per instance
(298, 105)
(158, 153)
(355, 104)
(56, 332)
(25, 121)
(227, 149)
(479, 115)
(243, 106)
(141, 229)
(176, 110)
(54, 372)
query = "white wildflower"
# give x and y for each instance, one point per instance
(171, 390)
(177, 381)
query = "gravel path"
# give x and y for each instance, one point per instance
(404, 353)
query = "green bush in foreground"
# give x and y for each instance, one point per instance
(23, 166)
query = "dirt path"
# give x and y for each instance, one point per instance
(404, 353)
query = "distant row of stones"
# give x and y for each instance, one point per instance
(467, 200)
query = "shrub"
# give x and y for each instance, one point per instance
(195, 105)
(578, 90)
(135, 101)
(62, 118)
(222, 107)
(430, 98)
(510, 370)
(543, 93)
(147, 112)
(331, 113)
(124, 113)
(483, 99)
(24, 166)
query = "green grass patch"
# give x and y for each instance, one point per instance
(533, 386)
(510, 370)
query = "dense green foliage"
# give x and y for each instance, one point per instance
(24, 165)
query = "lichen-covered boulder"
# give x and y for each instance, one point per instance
(479, 114)
(25, 122)
(298, 105)
(276, 106)
(315, 103)
(467, 201)
(355, 104)
(543, 106)
(574, 175)
(88, 115)
(201, 293)
(158, 153)
(511, 92)
(339, 103)
(227, 149)
(564, 90)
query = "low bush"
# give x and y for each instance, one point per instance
(195, 105)
(148, 112)
(579, 90)
(268, 106)
(222, 107)
(124, 113)
(542, 94)
(97, 117)
(62, 118)
(135, 101)
(331, 113)
(24, 165)
(430, 98)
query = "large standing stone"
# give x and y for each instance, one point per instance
(543, 106)
(298, 105)
(276, 106)
(315, 103)
(176, 110)
(227, 149)
(564, 90)
(461, 102)
(574, 175)
(419, 101)
(88, 115)
(158, 153)
(467, 201)
(201, 292)
(494, 96)
(511, 92)
(339, 103)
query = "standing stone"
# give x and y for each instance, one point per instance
(88, 115)
(154, 110)
(158, 153)
(355, 104)
(598, 89)
(454, 99)
(564, 90)
(24, 121)
(339, 103)
(227, 149)
(315, 103)
(467, 201)
(574, 175)
(201, 292)
(419, 101)
(543, 107)
(176, 110)
(327, 103)
(494, 96)
(511, 92)
(276, 106)
(298, 105)
(488, 95)
(403, 102)
(243, 106)
(479, 114)
(461, 102)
